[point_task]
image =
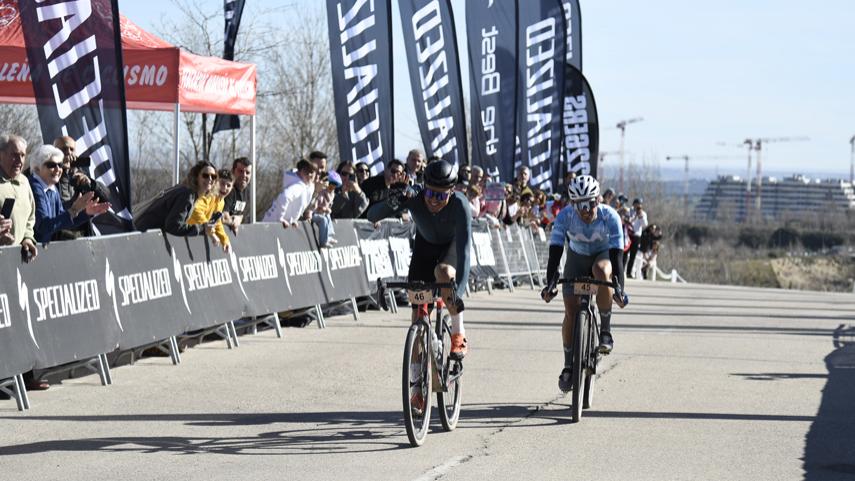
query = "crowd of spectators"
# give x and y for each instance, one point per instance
(56, 199)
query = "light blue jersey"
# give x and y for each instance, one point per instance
(606, 232)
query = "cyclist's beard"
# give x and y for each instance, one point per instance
(588, 216)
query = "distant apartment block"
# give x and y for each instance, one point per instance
(727, 198)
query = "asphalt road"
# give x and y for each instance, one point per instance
(706, 383)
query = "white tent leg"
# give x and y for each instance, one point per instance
(255, 168)
(176, 137)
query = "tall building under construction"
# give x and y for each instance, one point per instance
(728, 198)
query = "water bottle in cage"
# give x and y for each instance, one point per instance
(436, 342)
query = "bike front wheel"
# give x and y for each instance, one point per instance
(580, 343)
(416, 383)
(448, 400)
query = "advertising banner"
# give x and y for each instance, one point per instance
(233, 10)
(75, 55)
(491, 28)
(581, 126)
(431, 45)
(360, 34)
(541, 56)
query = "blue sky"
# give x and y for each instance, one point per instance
(698, 72)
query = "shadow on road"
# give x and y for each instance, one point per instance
(830, 443)
(326, 433)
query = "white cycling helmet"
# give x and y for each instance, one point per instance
(583, 187)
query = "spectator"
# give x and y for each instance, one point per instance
(320, 161)
(288, 207)
(235, 204)
(209, 209)
(349, 201)
(19, 227)
(522, 180)
(465, 174)
(75, 179)
(638, 219)
(651, 238)
(478, 178)
(519, 208)
(461, 186)
(627, 231)
(473, 193)
(170, 211)
(608, 197)
(622, 200)
(51, 216)
(415, 166)
(376, 188)
(323, 208)
(495, 203)
(363, 172)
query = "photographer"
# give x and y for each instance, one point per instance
(75, 182)
(51, 215)
(349, 202)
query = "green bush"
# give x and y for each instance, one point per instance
(819, 240)
(784, 238)
(752, 238)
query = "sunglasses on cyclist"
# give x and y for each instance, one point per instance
(586, 205)
(436, 195)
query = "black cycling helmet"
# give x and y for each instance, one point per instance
(440, 174)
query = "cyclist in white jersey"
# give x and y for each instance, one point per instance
(595, 236)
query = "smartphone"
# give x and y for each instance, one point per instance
(216, 216)
(8, 205)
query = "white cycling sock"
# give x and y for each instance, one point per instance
(457, 324)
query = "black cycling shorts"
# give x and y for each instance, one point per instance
(427, 256)
(577, 265)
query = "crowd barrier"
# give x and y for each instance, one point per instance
(82, 299)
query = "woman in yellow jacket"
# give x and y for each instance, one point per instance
(210, 206)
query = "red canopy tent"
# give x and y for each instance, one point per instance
(158, 76)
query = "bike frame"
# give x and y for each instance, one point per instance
(423, 316)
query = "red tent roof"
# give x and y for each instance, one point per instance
(157, 74)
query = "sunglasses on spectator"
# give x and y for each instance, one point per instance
(52, 165)
(586, 204)
(208, 176)
(436, 195)
(362, 171)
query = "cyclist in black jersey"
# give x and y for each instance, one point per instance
(443, 232)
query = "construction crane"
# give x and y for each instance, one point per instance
(852, 160)
(745, 143)
(758, 147)
(685, 158)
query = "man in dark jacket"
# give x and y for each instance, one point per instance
(236, 202)
(376, 188)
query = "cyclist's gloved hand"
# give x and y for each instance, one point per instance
(620, 297)
(550, 291)
(398, 194)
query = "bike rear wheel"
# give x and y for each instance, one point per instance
(580, 344)
(449, 401)
(593, 359)
(416, 383)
